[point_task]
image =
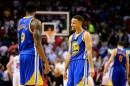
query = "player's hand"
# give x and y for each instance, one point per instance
(47, 68)
(11, 75)
(65, 75)
(127, 84)
(92, 73)
(105, 69)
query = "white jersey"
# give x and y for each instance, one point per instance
(16, 64)
(106, 80)
(16, 72)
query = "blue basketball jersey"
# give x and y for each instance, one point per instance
(120, 58)
(77, 47)
(119, 68)
(78, 67)
(25, 37)
(30, 63)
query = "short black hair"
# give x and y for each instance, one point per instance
(78, 17)
(120, 43)
(31, 6)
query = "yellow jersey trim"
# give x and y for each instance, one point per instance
(29, 26)
(32, 80)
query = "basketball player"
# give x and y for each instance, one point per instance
(80, 49)
(106, 79)
(14, 64)
(30, 48)
(120, 65)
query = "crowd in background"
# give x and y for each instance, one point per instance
(107, 20)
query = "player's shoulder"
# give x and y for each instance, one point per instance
(35, 23)
(35, 20)
(86, 33)
(127, 53)
(114, 51)
(70, 37)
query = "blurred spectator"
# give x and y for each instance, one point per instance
(104, 33)
(95, 39)
(112, 42)
(4, 77)
(52, 56)
(1, 71)
(125, 38)
(3, 54)
(3, 50)
(103, 51)
(91, 28)
(58, 72)
(12, 48)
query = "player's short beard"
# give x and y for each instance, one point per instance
(73, 30)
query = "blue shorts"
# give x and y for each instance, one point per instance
(119, 76)
(76, 72)
(30, 70)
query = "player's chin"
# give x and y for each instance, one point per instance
(73, 28)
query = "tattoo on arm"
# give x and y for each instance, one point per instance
(37, 33)
(36, 25)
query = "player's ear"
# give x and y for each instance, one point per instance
(80, 22)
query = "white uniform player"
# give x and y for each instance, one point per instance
(13, 67)
(16, 73)
(106, 80)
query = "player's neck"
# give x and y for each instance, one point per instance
(120, 47)
(78, 31)
(30, 14)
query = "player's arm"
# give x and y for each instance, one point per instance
(110, 60)
(35, 26)
(9, 66)
(67, 60)
(127, 65)
(88, 43)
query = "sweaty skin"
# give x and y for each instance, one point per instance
(37, 30)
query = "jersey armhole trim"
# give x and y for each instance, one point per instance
(70, 43)
(29, 26)
(83, 36)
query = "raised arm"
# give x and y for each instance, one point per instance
(88, 43)
(37, 30)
